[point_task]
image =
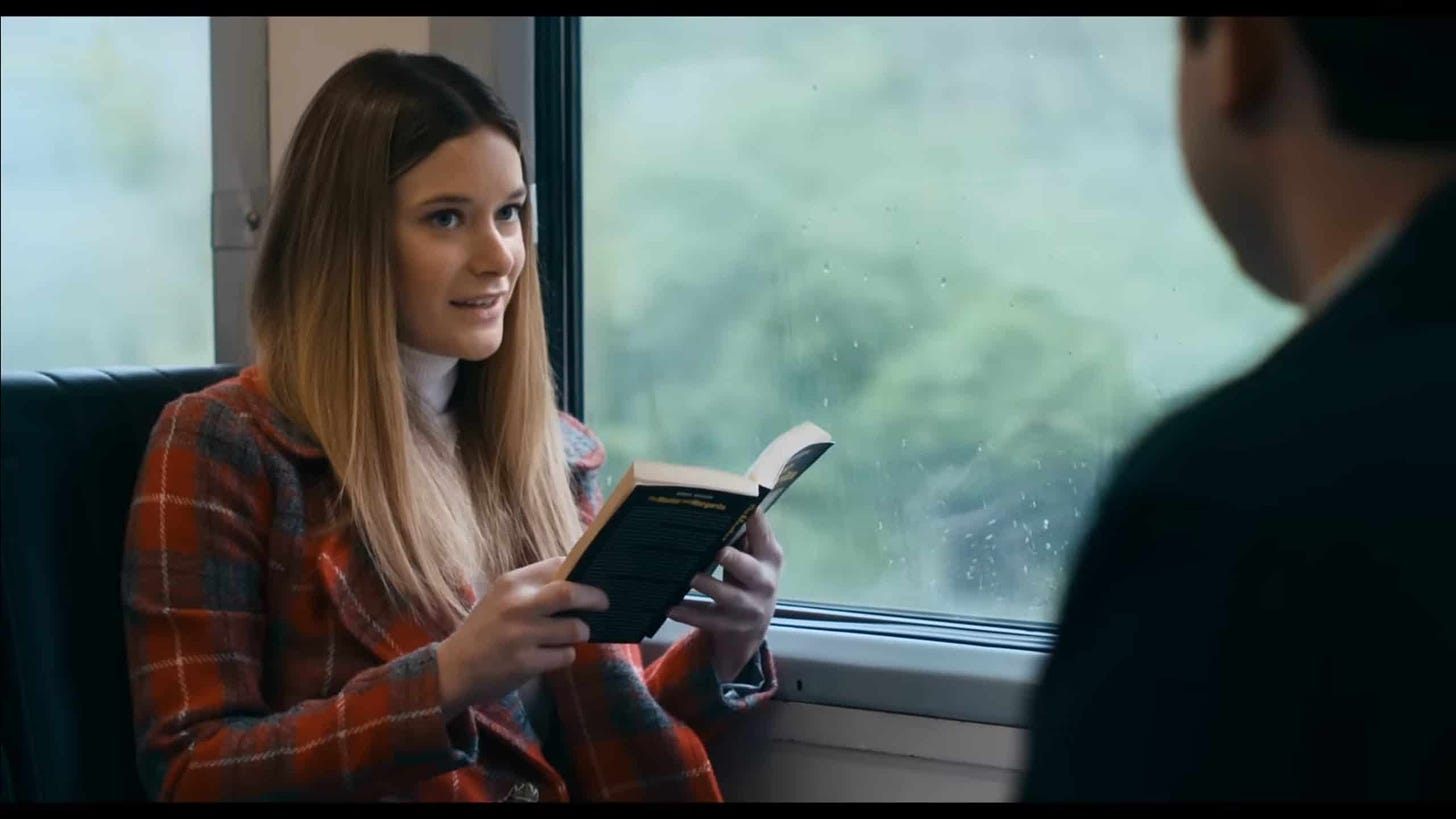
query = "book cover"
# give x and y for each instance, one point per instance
(665, 523)
(647, 554)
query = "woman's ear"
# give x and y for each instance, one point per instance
(1248, 56)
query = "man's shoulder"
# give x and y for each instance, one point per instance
(1321, 420)
(1196, 445)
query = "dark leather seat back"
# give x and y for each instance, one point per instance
(71, 442)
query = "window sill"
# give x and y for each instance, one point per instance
(929, 667)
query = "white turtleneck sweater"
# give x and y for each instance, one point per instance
(433, 377)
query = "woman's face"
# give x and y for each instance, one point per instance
(458, 245)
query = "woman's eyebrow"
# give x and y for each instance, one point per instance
(446, 199)
(461, 199)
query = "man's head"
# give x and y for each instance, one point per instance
(1268, 105)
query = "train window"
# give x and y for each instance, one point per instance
(963, 246)
(107, 180)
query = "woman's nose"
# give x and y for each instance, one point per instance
(493, 253)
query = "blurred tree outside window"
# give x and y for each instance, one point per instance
(106, 167)
(966, 247)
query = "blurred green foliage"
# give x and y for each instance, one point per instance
(965, 247)
(106, 170)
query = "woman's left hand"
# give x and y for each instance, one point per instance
(742, 604)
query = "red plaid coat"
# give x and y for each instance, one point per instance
(266, 663)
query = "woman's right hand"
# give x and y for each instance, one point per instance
(511, 635)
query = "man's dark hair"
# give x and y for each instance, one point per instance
(1386, 79)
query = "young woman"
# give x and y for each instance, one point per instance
(338, 565)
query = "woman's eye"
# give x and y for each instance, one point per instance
(510, 213)
(447, 219)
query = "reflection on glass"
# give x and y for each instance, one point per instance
(965, 247)
(106, 169)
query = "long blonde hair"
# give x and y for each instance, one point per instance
(431, 517)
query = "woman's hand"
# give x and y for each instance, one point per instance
(737, 618)
(511, 635)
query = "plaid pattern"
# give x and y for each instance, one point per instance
(267, 662)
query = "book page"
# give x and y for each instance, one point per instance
(791, 471)
(781, 464)
(775, 458)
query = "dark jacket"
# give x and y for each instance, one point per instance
(1265, 607)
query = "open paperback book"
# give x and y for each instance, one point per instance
(665, 523)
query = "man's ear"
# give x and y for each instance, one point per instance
(1248, 57)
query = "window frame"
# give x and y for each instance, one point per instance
(238, 51)
(559, 202)
(936, 665)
